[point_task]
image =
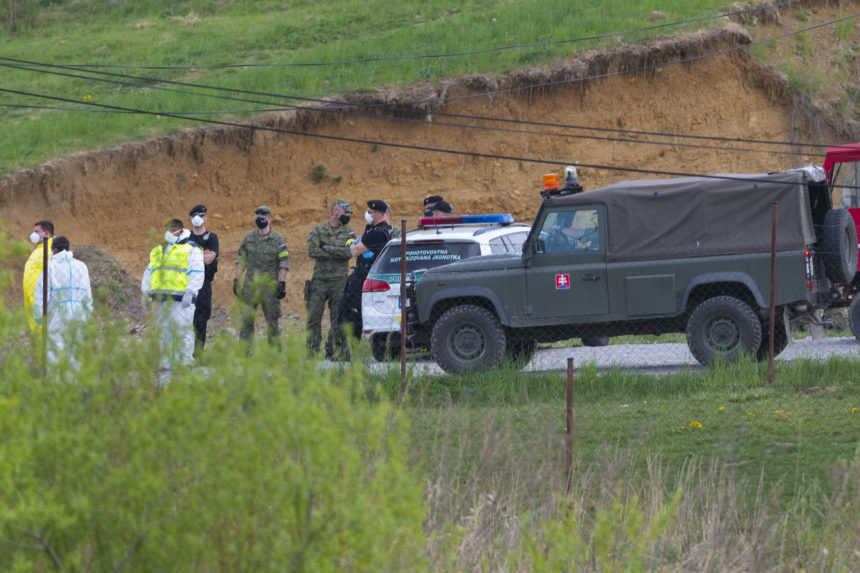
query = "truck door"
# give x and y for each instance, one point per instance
(566, 274)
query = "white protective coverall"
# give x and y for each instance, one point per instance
(70, 299)
(174, 316)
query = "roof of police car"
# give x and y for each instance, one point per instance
(458, 232)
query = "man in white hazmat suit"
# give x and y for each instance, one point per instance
(170, 283)
(70, 298)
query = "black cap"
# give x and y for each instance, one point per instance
(197, 209)
(443, 206)
(60, 244)
(174, 224)
(432, 199)
(378, 205)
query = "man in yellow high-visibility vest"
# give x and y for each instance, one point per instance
(170, 283)
(33, 267)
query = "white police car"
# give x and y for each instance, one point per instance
(436, 242)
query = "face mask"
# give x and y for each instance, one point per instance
(344, 219)
(368, 217)
(261, 222)
(170, 237)
(197, 221)
(35, 237)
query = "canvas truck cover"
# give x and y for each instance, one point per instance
(697, 216)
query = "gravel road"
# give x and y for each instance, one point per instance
(653, 358)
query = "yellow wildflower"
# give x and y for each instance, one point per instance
(695, 424)
(854, 410)
(750, 413)
(721, 408)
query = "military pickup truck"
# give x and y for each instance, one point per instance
(646, 257)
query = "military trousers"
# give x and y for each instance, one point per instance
(250, 298)
(322, 291)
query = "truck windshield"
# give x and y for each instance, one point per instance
(847, 175)
(424, 255)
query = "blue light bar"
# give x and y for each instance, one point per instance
(487, 219)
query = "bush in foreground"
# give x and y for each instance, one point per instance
(257, 464)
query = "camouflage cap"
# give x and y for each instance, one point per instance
(262, 210)
(343, 205)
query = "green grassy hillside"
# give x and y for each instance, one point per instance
(162, 33)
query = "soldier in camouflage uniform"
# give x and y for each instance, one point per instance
(263, 259)
(328, 245)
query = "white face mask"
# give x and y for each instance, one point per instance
(368, 217)
(170, 237)
(197, 221)
(35, 237)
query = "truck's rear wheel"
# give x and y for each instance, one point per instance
(782, 336)
(722, 328)
(854, 316)
(467, 338)
(839, 246)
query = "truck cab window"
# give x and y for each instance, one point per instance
(570, 231)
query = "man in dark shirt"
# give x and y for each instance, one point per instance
(208, 241)
(376, 235)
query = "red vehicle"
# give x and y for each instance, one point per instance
(842, 166)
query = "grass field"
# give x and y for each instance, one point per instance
(216, 33)
(494, 444)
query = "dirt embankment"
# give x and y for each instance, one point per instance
(118, 198)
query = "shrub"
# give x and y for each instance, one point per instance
(318, 173)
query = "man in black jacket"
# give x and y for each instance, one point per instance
(376, 235)
(208, 241)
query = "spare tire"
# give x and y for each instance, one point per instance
(838, 246)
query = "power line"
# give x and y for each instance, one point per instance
(374, 59)
(85, 110)
(336, 105)
(464, 126)
(404, 145)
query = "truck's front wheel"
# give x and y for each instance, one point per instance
(721, 328)
(467, 338)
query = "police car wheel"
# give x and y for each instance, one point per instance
(520, 349)
(467, 338)
(385, 347)
(595, 340)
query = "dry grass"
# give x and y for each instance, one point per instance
(495, 503)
